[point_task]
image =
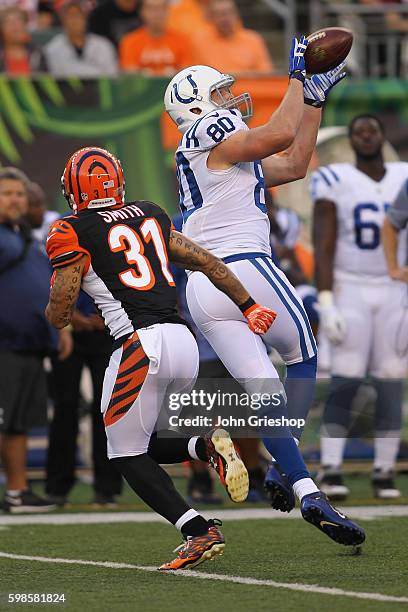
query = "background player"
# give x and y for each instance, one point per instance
(119, 254)
(362, 310)
(222, 197)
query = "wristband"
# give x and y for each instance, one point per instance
(248, 304)
(314, 103)
(300, 75)
(325, 298)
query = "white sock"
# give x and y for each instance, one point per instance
(14, 492)
(386, 450)
(332, 451)
(303, 487)
(191, 447)
(187, 516)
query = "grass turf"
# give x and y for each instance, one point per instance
(285, 551)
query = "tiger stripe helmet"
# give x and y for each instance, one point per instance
(93, 178)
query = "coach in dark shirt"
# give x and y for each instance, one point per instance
(25, 338)
(115, 18)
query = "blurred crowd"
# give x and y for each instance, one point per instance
(380, 30)
(88, 38)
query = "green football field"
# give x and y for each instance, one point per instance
(276, 564)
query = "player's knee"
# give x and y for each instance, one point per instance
(122, 461)
(349, 366)
(115, 453)
(390, 368)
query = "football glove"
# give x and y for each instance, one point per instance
(317, 87)
(259, 318)
(331, 321)
(297, 68)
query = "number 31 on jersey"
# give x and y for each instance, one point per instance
(124, 238)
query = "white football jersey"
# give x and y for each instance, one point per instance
(223, 210)
(361, 204)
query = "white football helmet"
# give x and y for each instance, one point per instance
(190, 90)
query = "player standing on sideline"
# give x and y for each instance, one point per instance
(222, 198)
(362, 310)
(118, 253)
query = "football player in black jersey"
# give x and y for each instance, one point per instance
(119, 254)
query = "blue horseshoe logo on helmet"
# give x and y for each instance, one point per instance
(195, 91)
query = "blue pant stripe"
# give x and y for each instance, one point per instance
(256, 264)
(294, 301)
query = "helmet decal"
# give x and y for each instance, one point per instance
(195, 91)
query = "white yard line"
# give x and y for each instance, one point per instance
(306, 588)
(85, 518)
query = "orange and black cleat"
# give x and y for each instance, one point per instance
(197, 549)
(224, 458)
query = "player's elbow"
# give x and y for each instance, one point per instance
(299, 172)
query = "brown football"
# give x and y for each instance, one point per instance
(327, 48)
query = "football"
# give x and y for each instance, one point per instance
(327, 48)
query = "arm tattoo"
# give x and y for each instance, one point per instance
(64, 294)
(190, 255)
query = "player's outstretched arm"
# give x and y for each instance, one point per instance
(292, 164)
(279, 132)
(190, 255)
(64, 291)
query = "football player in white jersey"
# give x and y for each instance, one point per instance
(221, 183)
(362, 311)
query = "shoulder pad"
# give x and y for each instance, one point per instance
(212, 129)
(323, 183)
(62, 244)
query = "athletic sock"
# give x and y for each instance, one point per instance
(332, 450)
(192, 524)
(336, 419)
(197, 449)
(14, 492)
(386, 447)
(300, 386)
(303, 487)
(169, 447)
(153, 485)
(282, 445)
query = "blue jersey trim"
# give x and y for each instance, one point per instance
(276, 288)
(324, 177)
(332, 172)
(295, 302)
(196, 197)
(242, 256)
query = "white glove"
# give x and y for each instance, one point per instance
(331, 322)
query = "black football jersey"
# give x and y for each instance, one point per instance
(127, 272)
